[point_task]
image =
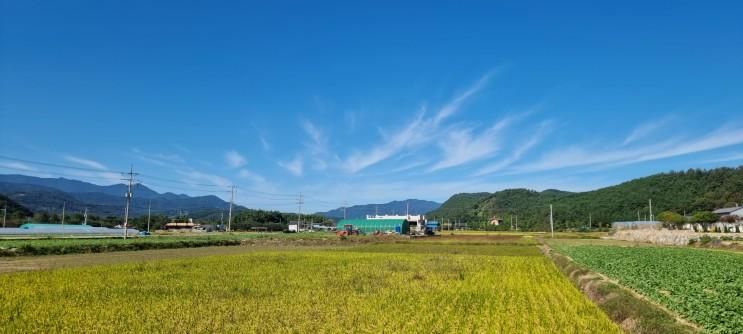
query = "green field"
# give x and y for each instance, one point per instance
(704, 286)
(389, 287)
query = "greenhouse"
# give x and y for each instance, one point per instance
(36, 230)
(399, 226)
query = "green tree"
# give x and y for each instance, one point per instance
(704, 217)
(671, 219)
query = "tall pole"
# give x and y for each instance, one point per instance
(299, 212)
(85, 217)
(512, 222)
(5, 213)
(638, 215)
(128, 199)
(651, 208)
(589, 221)
(229, 214)
(552, 224)
(149, 211)
(63, 207)
(517, 223)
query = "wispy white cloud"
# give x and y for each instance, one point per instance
(85, 162)
(18, 166)
(518, 151)
(251, 176)
(295, 166)
(160, 159)
(406, 137)
(730, 157)
(234, 159)
(317, 149)
(461, 146)
(351, 119)
(264, 143)
(455, 104)
(577, 156)
(318, 142)
(195, 177)
(410, 135)
(645, 130)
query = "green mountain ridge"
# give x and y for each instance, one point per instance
(682, 191)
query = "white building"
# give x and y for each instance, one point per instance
(736, 211)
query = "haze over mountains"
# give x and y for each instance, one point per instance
(413, 206)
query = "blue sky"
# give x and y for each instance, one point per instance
(369, 102)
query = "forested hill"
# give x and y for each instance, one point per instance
(689, 191)
(15, 210)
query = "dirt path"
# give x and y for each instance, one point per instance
(28, 263)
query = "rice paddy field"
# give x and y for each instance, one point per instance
(704, 286)
(436, 286)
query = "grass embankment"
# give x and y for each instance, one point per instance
(633, 313)
(71, 246)
(704, 286)
(58, 246)
(435, 288)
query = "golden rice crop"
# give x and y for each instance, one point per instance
(296, 291)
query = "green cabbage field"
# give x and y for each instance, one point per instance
(704, 286)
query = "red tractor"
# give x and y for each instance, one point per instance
(347, 230)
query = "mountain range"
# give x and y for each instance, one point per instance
(413, 206)
(49, 194)
(680, 192)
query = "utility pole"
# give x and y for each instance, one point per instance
(299, 211)
(651, 208)
(638, 215)
(63, 207)
(149, 211)
(128, 195)
(229, 215)
(5, 213)
(589, 221)
(85, 217)
(517, 223)
(512, 222)
(407, 208)
(552, 224)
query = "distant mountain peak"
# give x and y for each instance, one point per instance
(415, 206)
(43, 194)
